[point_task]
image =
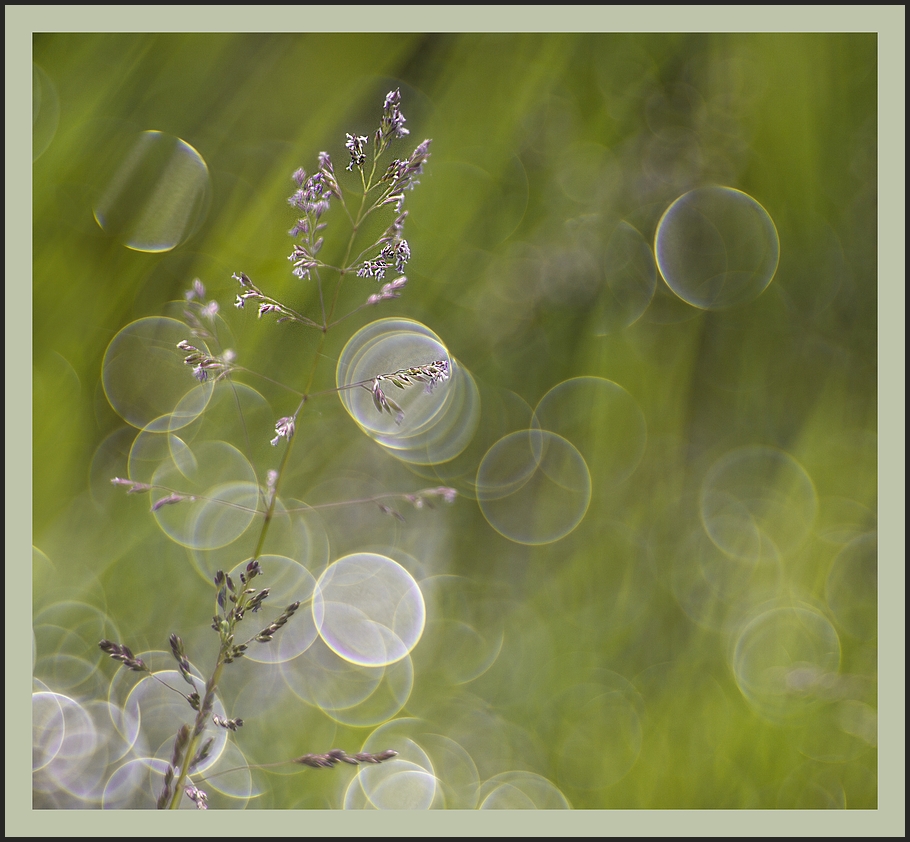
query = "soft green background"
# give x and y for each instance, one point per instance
(797, 133)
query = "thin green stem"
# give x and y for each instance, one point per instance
(316, 357)
(270, 511)
(198, 729)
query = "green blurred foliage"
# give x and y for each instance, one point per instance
(542, 144)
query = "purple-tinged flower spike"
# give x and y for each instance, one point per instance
(435, 373)
(272, 628)
(419, 157)
(122, 653)
(397, 254)
(328, 174)
(196, 291)
(180, 657)
(256, 600)
(432, 374)
(322, 761)
(265, 305)
(396, 199)
(253, 569)
(393, 121)
(373, 269)
(202, 363)
(205, 708)
(131, 487)
(313, 196)
(268, 308)
(402, 175)
(250, 290)
(285, 428)
(388, 510)
(303, 261)
(198, 797)
(336, 755)
(181, 741)
(235, 652)
(198, 311)
(383, 402)
(388, 291)
(209, 311)
(447, 494)
(382, 756)
(356, 144)
(169, 500)
(394, 254)
(422, 498)
(203, 752)
(229, 724)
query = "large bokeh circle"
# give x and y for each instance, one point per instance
(533, 487)
(716, 247)
(368, 609)
(146, 380)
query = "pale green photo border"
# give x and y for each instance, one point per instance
(887, 21)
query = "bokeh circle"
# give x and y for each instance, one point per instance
(368, 609)
(154, 193)
(753, 496)
(146, 380)
(533, 487)
(716, 247)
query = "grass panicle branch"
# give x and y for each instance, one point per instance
(122, 653)
(381, 187)
(336, 755)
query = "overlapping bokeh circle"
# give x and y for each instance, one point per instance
(435, 422)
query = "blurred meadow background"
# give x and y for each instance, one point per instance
(650, 260)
